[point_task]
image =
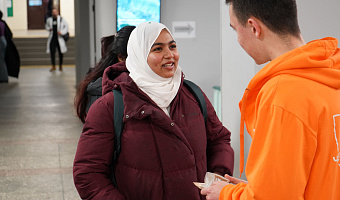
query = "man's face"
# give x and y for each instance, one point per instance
(246, 37)
(55, 13)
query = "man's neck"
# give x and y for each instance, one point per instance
(278, 45)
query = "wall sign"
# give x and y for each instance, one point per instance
(9, 8)
(185, 29)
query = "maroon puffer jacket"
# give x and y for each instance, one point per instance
(160, 157)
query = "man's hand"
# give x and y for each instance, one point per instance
(234, 180)
(213, 192)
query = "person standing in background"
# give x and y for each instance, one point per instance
(3, 44)
(12, 58)
(90, 89)
(57, 26)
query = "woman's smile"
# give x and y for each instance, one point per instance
(169, 66)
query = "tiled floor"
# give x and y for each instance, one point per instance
(38, 135)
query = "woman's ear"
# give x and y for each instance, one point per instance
(255, 27)
(121, 58)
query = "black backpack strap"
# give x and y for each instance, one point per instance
(118, 114)
(196, 91)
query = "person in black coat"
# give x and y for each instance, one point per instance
(11, 54)
(3, 44)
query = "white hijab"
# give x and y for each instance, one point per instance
(161, 90)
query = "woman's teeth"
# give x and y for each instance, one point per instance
(168, 65)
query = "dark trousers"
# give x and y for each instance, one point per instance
(53, 46)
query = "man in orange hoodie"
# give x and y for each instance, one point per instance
(291, 108)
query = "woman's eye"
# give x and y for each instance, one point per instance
(173, 46)
(157, 49)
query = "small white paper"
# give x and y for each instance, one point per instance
(209, 179)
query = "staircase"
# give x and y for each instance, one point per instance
(32, 51)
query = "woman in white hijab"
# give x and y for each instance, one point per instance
(158, 77)
(166, 144)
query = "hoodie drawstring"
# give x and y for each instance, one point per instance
(244, 102)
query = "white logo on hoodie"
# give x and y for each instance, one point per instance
(336, 158)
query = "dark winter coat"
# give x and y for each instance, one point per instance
(160, 157)
(12, 57)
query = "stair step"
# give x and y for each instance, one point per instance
(39, 48)
(45, 61)
(34, 54)
(32, 51)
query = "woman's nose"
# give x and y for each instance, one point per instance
(169, 54)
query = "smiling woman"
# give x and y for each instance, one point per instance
(162, 120)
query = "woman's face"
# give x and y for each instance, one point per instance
(163, 57)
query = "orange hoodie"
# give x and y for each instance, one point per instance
(291, 109)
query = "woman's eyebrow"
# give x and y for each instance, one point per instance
(157, 44)
(162, 44)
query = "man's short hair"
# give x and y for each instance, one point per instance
(280, 16)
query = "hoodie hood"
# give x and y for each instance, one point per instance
(95, 87)
(114, 76)
(321, 56)
(319, 60)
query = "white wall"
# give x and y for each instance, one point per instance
(19, 19)
(200, 57)
(105, 21)
(67, 12)
(317, 19)
(3, 8)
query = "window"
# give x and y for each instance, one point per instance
(35, 2)
(134, 12)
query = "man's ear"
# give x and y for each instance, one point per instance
(255, 27)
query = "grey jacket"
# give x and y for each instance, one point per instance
(94, 90)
